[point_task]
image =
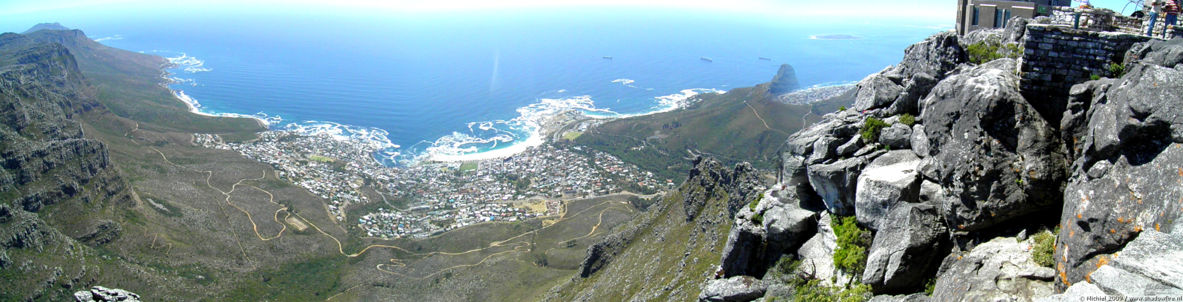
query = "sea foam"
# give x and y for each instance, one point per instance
(189, 64)
(525, 131)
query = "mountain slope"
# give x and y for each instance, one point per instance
(665, 254)
(129, 85)
(49, 168)
(717, 125)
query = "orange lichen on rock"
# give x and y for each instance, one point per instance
(1157, 227)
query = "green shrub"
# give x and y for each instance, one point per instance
(1116, 70)
(851, 254)
(1045, 246)
(813, 291)
(992, 49)
(1094, 77)
(907, 119)
(871, 128)
(841, 108)
(754, 203)
(758, 218)
(930, 286)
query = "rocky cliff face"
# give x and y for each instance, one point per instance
(665, 254)
(950, 167)
(46, 160)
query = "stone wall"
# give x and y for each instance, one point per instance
(1057, 57)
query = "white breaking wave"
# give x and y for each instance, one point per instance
(109, 38)
(525, 131)
(195, 107)
(189, 64)
(374, 139)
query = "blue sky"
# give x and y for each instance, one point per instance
(19, 14)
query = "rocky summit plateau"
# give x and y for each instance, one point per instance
(1030, 162)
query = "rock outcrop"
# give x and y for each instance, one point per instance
(785, 80)
(992, 153)
(46, 161)
(738, 288)
(764, 231)
(999, 270)
(898, 88)
(740, 183)
(906, 249)
(1127, 141)
(102, 294)
(891, 179)
(817, 255)
(1150, 266)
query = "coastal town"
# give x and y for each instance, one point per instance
(426, 198)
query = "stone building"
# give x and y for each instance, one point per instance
(975, 14)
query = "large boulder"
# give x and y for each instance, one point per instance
(907, 248)
(919, 141)
(890, 179)
(897, 89)
(999, 270)
(738, 288)
(762, 233)
(794, 179)
(1126, 174)
(996, 157)
(836, 182)
(102, 294)
(898, 136)
(1168, 53)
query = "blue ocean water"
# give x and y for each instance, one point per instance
(469, 83)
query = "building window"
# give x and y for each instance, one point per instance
(975, 18)
(1006, 17)
(997, 18)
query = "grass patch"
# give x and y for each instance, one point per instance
(572, 135)
(871, 128)
(1044, 247)
(468, 166)
(318, 158)
(853, 241)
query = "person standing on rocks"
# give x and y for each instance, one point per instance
(1172, 9)
(1155, 9)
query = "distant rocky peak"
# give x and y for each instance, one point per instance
(785, 80)
(46, 26)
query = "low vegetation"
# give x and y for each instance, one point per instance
(992, 49)
(1043, 247)
(812, 290)
(853, 241)
(907, 119)
(1116, 70)
(871, 128)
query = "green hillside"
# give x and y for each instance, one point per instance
(744, 124)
